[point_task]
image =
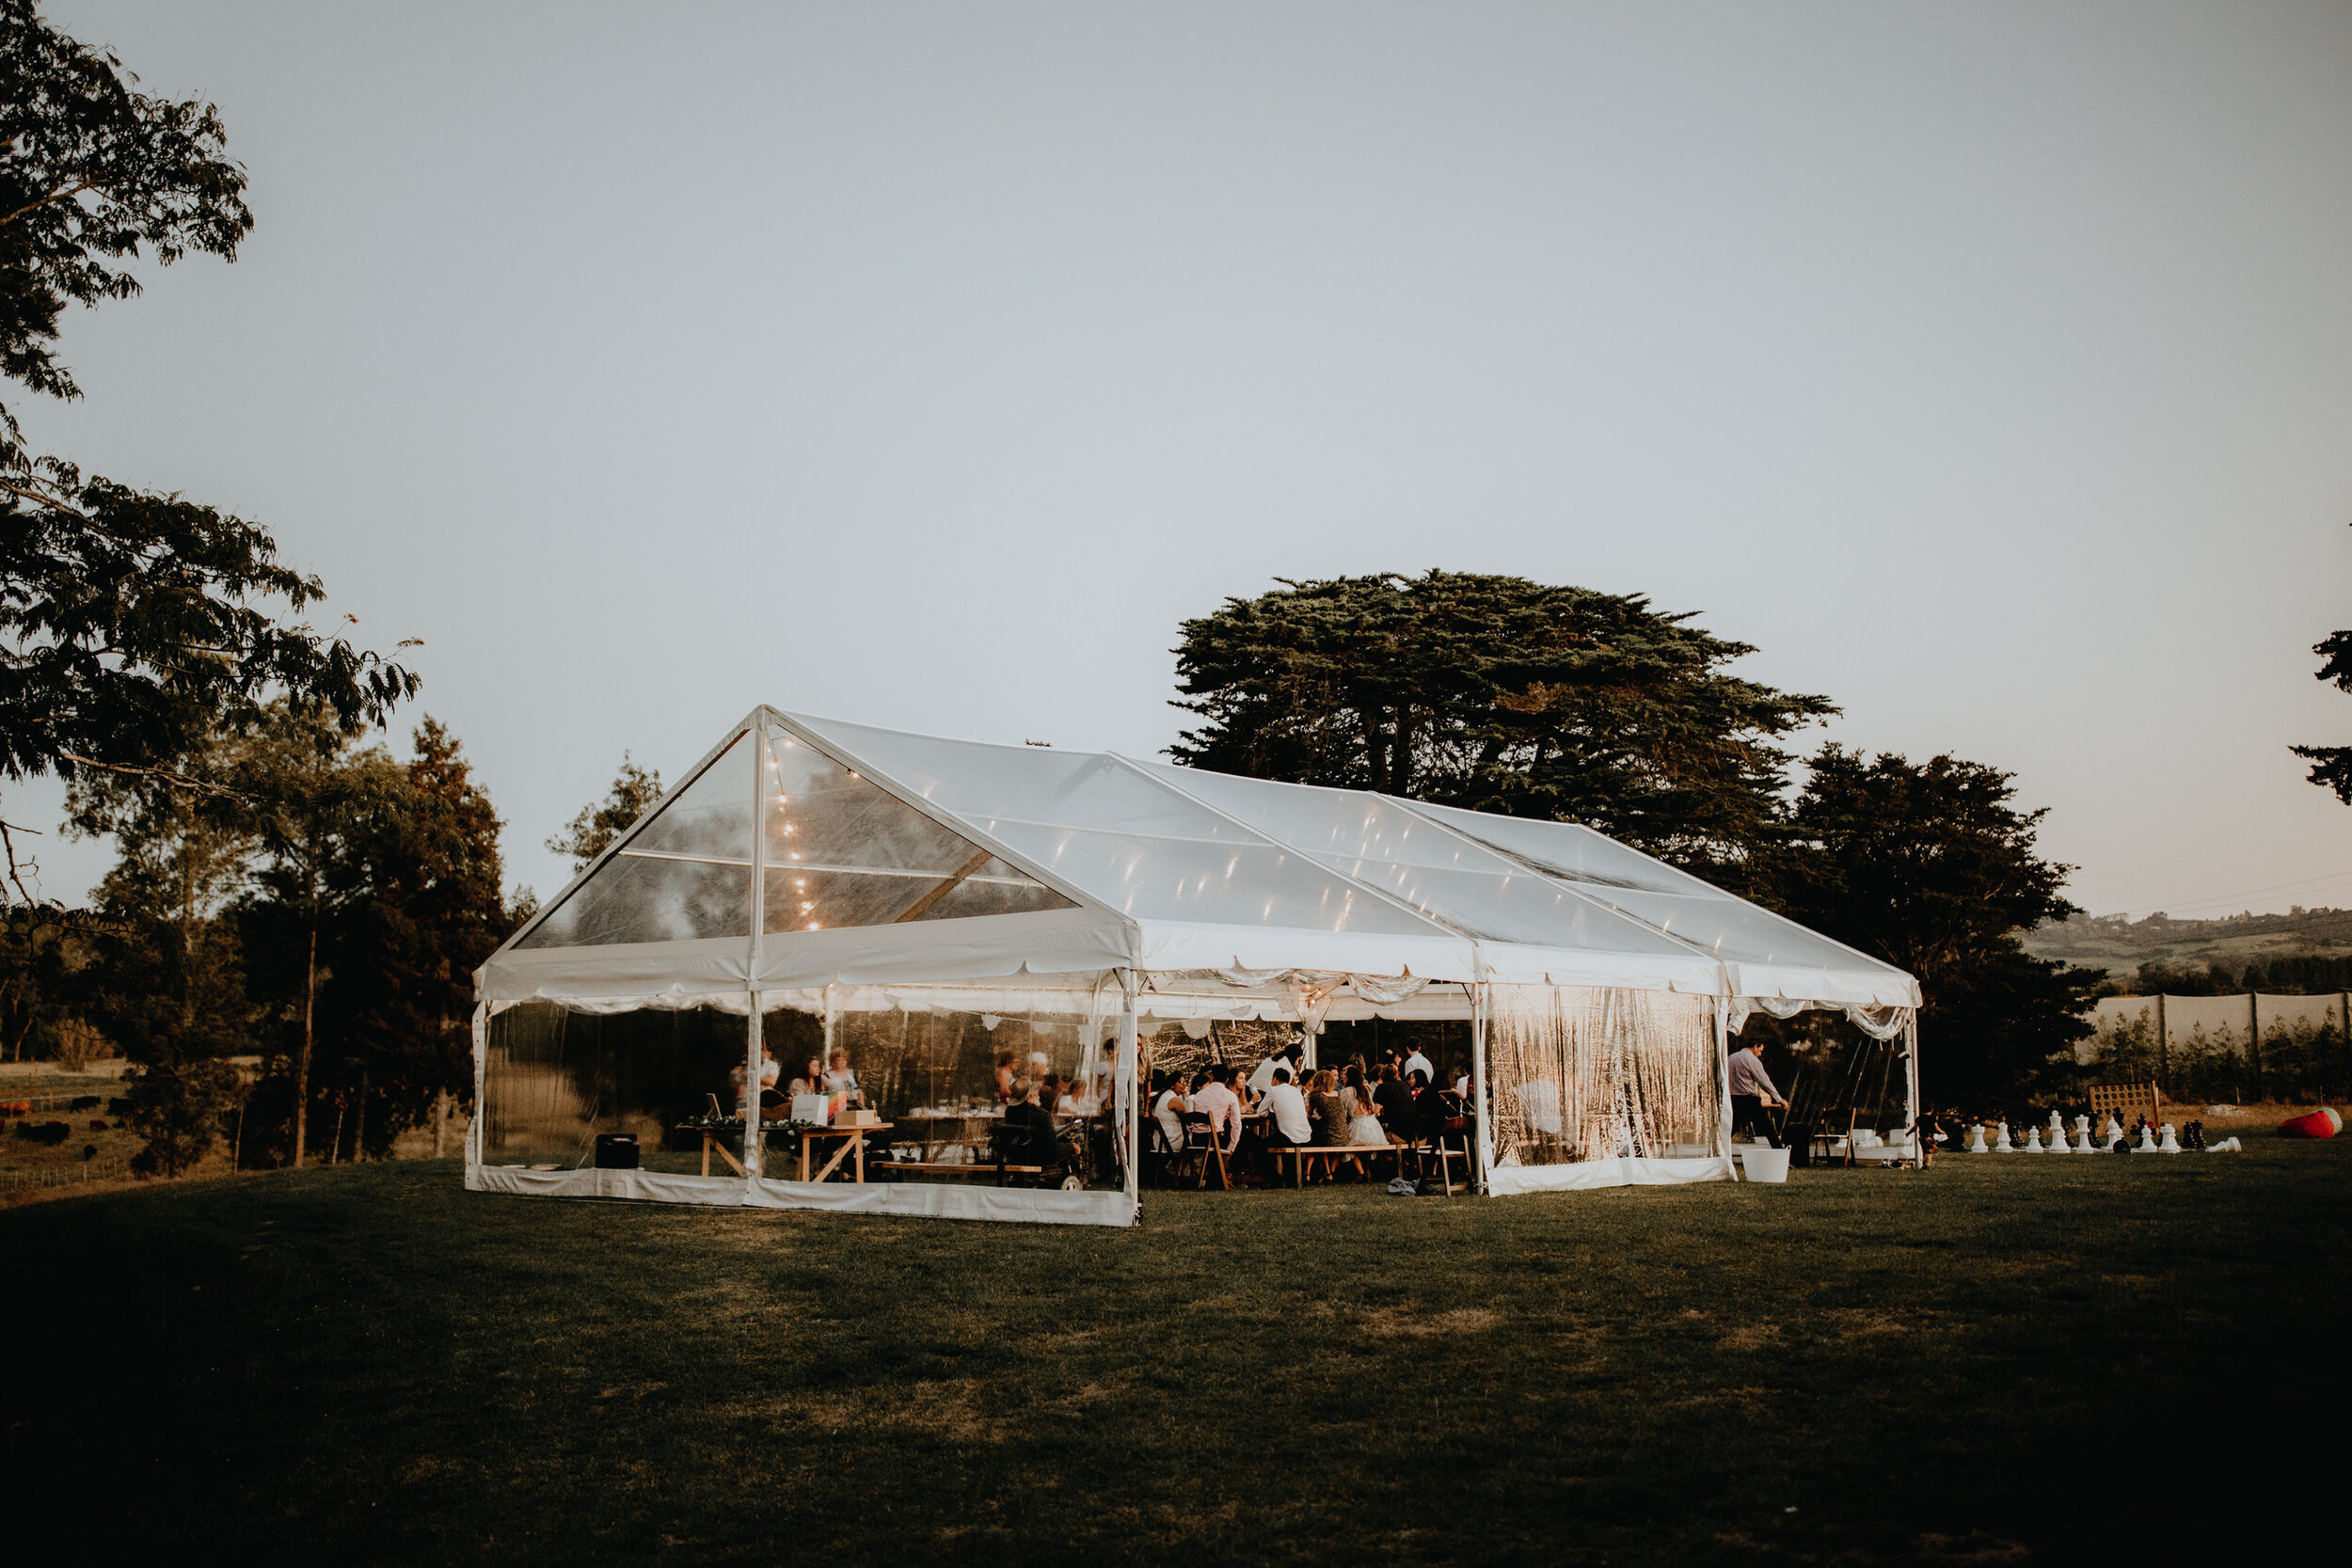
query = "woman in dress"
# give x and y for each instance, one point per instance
(1363, 1115)
(1327, 1110)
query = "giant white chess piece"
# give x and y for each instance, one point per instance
(2033, 1141)
(2147, 1144)
(2114, 1133)
(1976, 1139)
(2082, 1126)
(2171, 1145)
(2004, 1147)
(2082, 1137)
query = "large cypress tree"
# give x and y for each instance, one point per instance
(1499, 694)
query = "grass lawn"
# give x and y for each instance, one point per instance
(369, 1365)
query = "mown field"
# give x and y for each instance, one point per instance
(1994, 1359)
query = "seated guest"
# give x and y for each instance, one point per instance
(1026, 1137)
(1168, 1106)
(769, 1070)
(1363, 1112)
(1328, 1110)
(1223, 1106)
(1075, 1101)
(1005, 1075)
(839, 1079)
(1395, 1099)
(1288, 1106)
(809, 1080)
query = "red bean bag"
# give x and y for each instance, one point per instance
(2318, 1124)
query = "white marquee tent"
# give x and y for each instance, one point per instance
(906, 897)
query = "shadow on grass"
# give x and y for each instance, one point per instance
(372, 1364)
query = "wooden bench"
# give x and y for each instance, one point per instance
(943, 1167)
(1331, 1154)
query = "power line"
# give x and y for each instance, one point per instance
(2252, 892)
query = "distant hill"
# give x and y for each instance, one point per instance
(2120, 945)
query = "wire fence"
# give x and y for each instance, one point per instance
(113, 1169)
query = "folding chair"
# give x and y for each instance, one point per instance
(1451, 1142)
(1200, 1144)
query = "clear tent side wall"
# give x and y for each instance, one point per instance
(931, 909)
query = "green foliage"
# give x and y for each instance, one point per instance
(419, 908)
(2301, 1063)
(635, 792)
(1931, 867)
(2331, 765)
(93, 173)
(1498, 694)
(131, 623)
(40, 954)
(176, 1104)
(2293, 975)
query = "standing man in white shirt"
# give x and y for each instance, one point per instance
(1418, 1063)
(1263, 1079)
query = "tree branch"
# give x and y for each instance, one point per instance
(53, 196)
(176, 780)
(15, 873)
(38, 499)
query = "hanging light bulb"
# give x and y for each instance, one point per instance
(813, 927)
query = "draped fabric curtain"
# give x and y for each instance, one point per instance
(1583, 1074)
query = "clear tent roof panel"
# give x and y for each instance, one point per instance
(866, 832)
(1110, 829)
(1675, 901)
(1374, 840)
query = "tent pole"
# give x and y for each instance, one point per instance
(1129, 1125)
(751, 1093)
(1722, 1076)
(763, 767)
(1480, 1002)
(475, 1146)
(1911, 1087)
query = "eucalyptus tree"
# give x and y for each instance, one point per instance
(133, 622)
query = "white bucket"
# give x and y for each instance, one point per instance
(1764, 1164)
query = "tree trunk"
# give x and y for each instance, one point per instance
(440, 1120)
(302, 1063)
(188, 916)
(336, 1148)
(360, 1122)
